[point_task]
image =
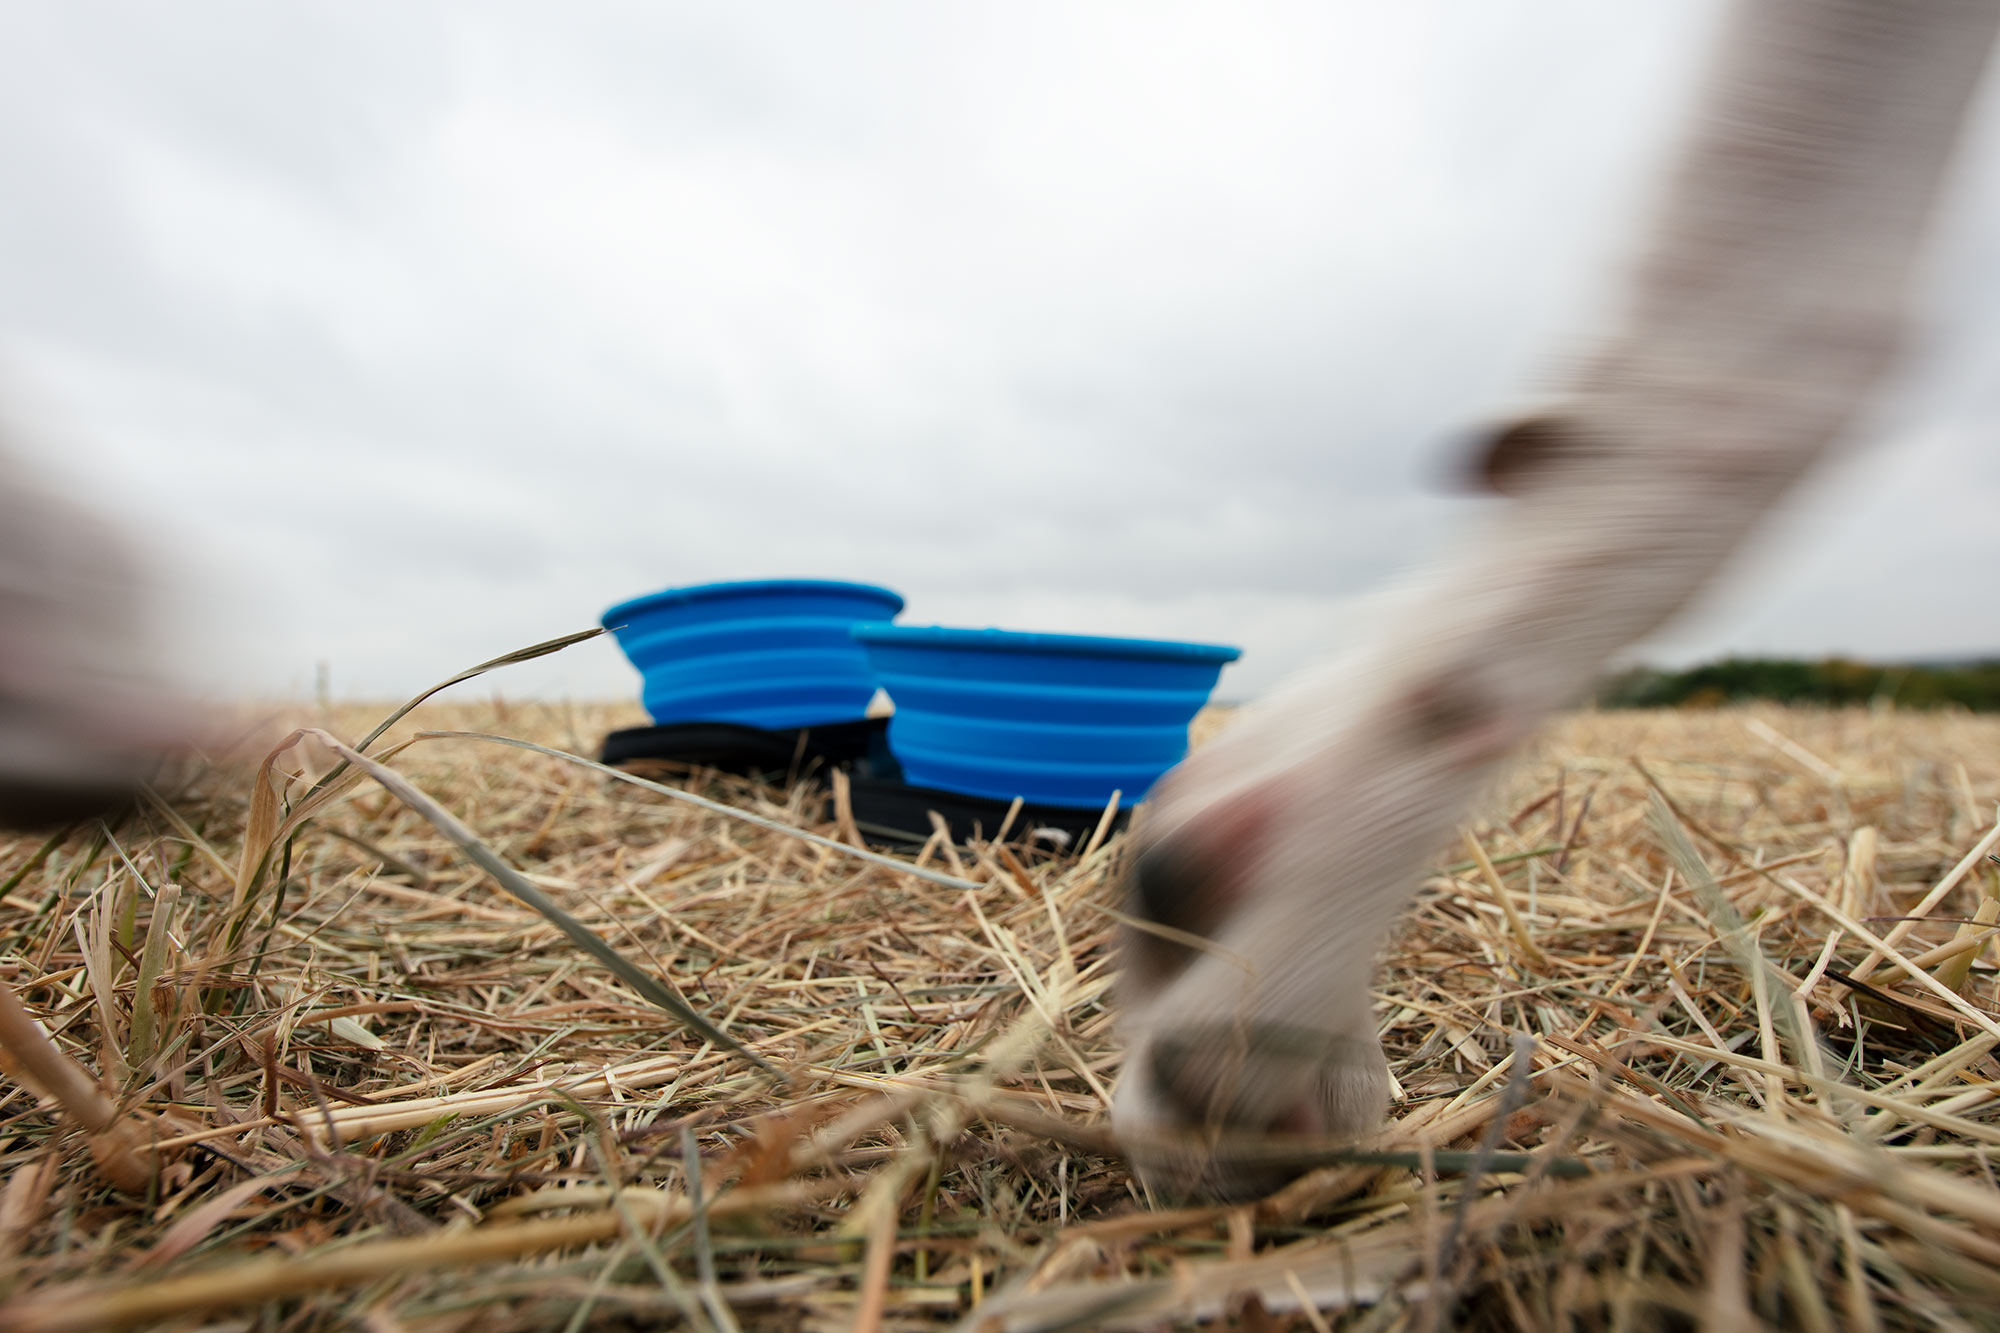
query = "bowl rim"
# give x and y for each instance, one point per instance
(704, 592)
(1037, 643)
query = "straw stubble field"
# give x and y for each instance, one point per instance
(1651, 1071)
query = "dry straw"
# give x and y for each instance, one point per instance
(417, 1031)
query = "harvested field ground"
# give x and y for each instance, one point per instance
(384, 1094)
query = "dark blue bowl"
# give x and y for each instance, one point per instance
(770, 653)
(1056, 719)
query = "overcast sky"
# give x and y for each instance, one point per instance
(407, 334)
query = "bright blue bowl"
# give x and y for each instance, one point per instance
(1056, 719)
(771, 653)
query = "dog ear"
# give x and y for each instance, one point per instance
(1513, 456)
(1460, 723)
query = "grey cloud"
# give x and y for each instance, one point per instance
(452, 324)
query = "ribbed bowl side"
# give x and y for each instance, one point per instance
(1059, 728)
(763, 654)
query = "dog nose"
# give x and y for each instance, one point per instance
(1237, 1110)
(1255, 1078)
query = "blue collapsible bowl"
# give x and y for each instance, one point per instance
(1055, 719)
(772, 653)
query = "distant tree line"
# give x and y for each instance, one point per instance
(1971, 683)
